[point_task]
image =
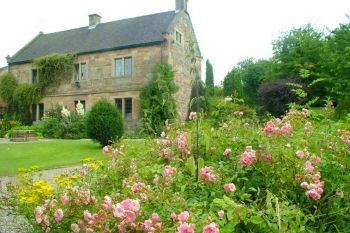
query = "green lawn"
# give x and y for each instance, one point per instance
(46, 154)
(57, 153)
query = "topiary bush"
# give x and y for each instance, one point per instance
(104, 123)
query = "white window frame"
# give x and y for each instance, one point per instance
(80, 65)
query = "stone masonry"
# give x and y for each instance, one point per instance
(101, 81)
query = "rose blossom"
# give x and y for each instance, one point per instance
(105, 149)
(64, 198)
(227, 151)
(183, 216)
(186, 228)
(58, 215)
(230, 187)
(211, 228)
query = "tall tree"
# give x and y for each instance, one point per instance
(209, 79)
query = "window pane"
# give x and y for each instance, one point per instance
(35, 76)
(128, 66)
(118, 67)
(128, 107)
(119, 103)
(83, 71)
(76, 72)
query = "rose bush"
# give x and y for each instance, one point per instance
(280, 175)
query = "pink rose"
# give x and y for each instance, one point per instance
(230, 187)
(227, 151)
(58, 215)
(64, 198)
(105, 149)
(183, 216)
(155, 217)
(211, 228)
(173, 216)
(186, 228)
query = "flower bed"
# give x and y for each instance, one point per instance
(280, 175)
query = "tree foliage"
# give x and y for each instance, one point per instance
(157, 101)
(209, 79)
(104, 123)
(53, 69)
(317, 58)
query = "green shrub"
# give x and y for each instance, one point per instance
(6, 125)
(104, 123)
(157, 102)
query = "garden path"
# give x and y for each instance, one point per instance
(10, 223)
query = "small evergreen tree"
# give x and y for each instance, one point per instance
(157, 102)
(209, 79)
(104, 123)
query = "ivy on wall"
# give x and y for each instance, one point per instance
(53, 70)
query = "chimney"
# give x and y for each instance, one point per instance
(181, 5)
(94, 19)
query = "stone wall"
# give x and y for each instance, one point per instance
(177, 54)
(101, 80)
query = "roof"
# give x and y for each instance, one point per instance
(126, 33)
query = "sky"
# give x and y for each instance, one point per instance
(228, 31)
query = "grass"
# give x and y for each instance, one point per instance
(46, 154)
(56, 153)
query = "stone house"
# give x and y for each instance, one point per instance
(114, 61)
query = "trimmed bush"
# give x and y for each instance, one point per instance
(104, 123)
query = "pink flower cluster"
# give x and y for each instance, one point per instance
(248, 157)
(345, 136)
(294, 112)
(42, 218)
(184, 227)
(126, 212)
(207, 174)
(229, 187)
(211, 228)
(312, 180)
(169, 170)
(271, 127)
(153, 224)
(113, 152)
(164, 143)
(227, 151)
(182, 142)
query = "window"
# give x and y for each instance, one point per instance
(82, 102)
(80, 72)
(37, 112)
(125, 106)
(83, 71)
(123, 66)
(118, 67)
(76, 72)
(35, 77)
(178, 37)
(127, 66)
(128, 107)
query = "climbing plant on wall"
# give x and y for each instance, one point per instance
(53, 70)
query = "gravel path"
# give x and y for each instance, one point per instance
(10, 223)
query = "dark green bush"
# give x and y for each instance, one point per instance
(157, 102)
(104, 123)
